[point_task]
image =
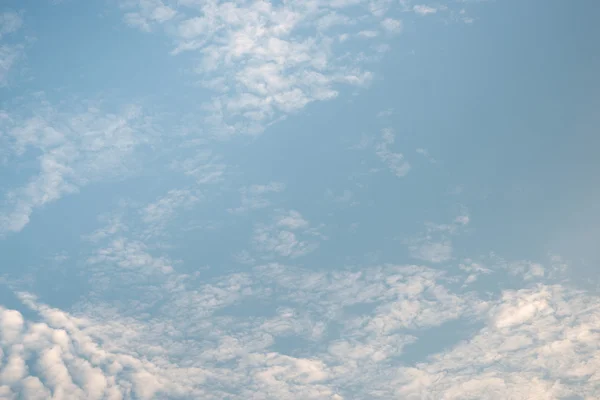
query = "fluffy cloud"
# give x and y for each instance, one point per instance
(536, 342)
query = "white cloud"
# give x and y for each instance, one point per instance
(345, 197)
(539, 342)
(131, 255)
(434, 245)
(424, 10)
(205, 167)
(462, 219)
(385, 113)
(392, 25)
(149, 12)
(10, 22)
(434, 252)
(156, 215)
(253, 197)
(474, 270)
(426, 154)
(289, 235)
(269, 59)
(368, 34)
(76, 149)
(394, 161)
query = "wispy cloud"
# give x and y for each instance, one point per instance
(385, 113)
(253, 196)
(10, 22)
(289, 235)
(205, 167)
(76, 149)
(345, 197)
(424, 9)
(392, 25)
(156, 215)
(394, 161)
(149, 13)
(10, 52)
(425, 153)
(435, 245)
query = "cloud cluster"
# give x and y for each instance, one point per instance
(283, 332)
(321, 335)
(265, 59)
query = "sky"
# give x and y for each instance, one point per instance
(299, 199)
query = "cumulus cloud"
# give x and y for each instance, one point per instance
(536, 342)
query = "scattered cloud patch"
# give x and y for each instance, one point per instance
(269, 59)
(253, 197)
(392, 25)
(289, 235)
(156, 215)
(204, 168)
(345, 197)
(394, 161)
(435, 245)
(76, 149)
(426, 154)
(434, 252)
(10, 52)
(424, 10)
(149, 13)
(10, 22)
(385, 113)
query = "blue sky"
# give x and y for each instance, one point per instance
(325, 199)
